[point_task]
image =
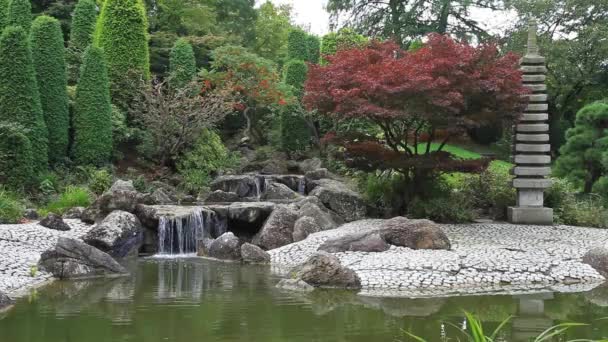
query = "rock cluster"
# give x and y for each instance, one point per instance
(597, 258)
(55, 222)
(325, 270)
(120, 234)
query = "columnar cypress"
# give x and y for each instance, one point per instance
(16, 159)
(297, 48)
(49, 63)
(313, 44)
(295, 75)
(122, 34)
(3, 14)
(295, 134)
(81, 35)
(182, 63)
(92, 111)
(20, 14)
(19, 97)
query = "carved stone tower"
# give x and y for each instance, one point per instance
(531, 147)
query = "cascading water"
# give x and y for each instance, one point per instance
(178, 235)
(260, 186)
(302, 186)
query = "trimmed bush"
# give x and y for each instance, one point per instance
(20, 14)
(295, 134)
(49, 62)
(182, 64)
(11, 209)
(19, 97)
(295, 76)
(122, 34)
(297, 47)
(92, 112)
(81, 35)
(3, 14)
(313, 44)
(16, 169)
(344, 39)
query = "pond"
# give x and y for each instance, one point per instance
(200, 300)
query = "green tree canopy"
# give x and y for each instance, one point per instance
(49, 62)
(81, 35)
(584, 157)
(19, 97)
(271, 31)
(122, 35)
(93, 112)
(182, 64)
(343, 39)
(20, 14)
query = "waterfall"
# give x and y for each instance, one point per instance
(220, 225)
(178, 235)
(259, 186)
(302, 186)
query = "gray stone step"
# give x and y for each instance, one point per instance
(534, 117)
(532, 148)
(533, 60)
(531, 171)
(537, 107)
(532, 137)
(528, 128)
(532, 183)
(535, 69)
(538, 97)
(536, 87)
(534, 78)
(532, 159)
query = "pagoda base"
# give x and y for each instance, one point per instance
(531, 215)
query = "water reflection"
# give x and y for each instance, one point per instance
(196, 300)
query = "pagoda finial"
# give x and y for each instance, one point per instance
(532, 40)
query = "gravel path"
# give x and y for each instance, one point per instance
(485, 258)
(20, 248)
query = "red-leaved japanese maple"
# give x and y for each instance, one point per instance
(414, 98)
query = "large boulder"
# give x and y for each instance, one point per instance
(363, 242)
(71, 259)
(279, 191)
(250, 212)
(323, 218)
(203, 246)
(278, 229)
(325, 270)
(242, 185)
(160, 196)
(253, 254)
(54, 222)
(5, 301)
(31, 214)
(340, 198)
(220, 196)
(303, 227)
(295, 285)
(120, 234)
(597, 258)
(414, 234)
(317, 174)
(74, 213)
(121, 196)
(226, 247)
(308, 165)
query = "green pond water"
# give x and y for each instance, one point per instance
(199, 300)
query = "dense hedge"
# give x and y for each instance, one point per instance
(16, 159)
(81, 35)
(19, 97)
(92, 112)
(122, 34)
(295, 134)
(313, 44)
(20, 14)
(297, 47)
(3, 14)
(182, 64)
(295, 76)
(49, 63)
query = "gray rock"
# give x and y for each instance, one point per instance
(242, 185)
(202, 246)
(317, 174)
(122, 185)
(91, 215)
(310, 165)
(322, 217)
(74, 213)
(5, 302)
(296, 285)
(364, 242)
(253, 254)
(31, 214)
(279, 191)
(54, 222)
(303, 227)
(325, 270)
(220, 196)
(278, 229)
(159, 196)
(226, 247)
(296, 183)
(339, 198)
(414, 234)
(71, 259)
(120, 234)
(598, 259)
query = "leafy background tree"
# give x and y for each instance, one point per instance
(81, 36)
(19, 97)
(272, 28)
(20, 14)
(93, 112)
(49, 63)
(182, 63)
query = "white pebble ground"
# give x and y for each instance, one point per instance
(20, 248)
(485, 258)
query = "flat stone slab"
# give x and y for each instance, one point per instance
(20, 248)
(485, 258)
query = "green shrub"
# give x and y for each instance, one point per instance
(208, 158)
(382, 190)
(491, 191)
(297, 47)
(100, 181)
(70, 198)
(122, 34)
(81, 36)
(295, 75)
(313, 44)
(449, 207)
(344, 39)
(20, 14)
(11, 209)
(295, 134)
(49, 62)
(93, 112)
(19, 97)
(587, 210)
(16, 160)
(3, 14)
(182, 64)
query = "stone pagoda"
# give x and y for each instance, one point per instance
(531, 147)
